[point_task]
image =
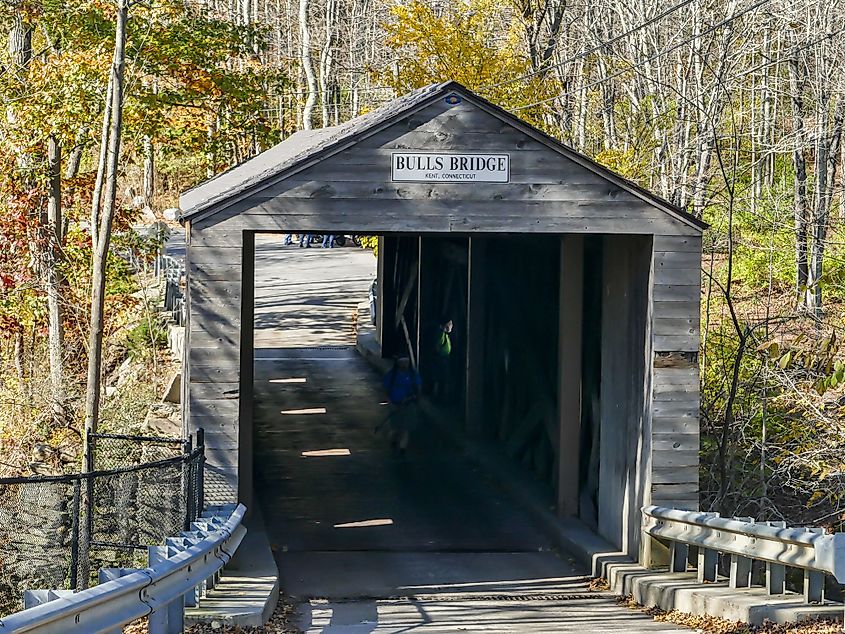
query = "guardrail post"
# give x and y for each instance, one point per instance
(678, 554)
(775, 578)
(176, 615)
(740, 574)
(813, 580)
(813, 586)
(708, 561)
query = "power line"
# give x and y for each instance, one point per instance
(595, 48)
(674, 47)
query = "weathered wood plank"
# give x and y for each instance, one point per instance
(214, 374)
(686, 489)
(212, 271)
(214, 329)
(603, 208)
(225, 440)
(214, 238)
(503, 140)
(412, 220)
(676, 325)
(677, 260)
(669, 309)
(677, 393)
(677, 276)
(674, 475)
(666, 377)
(369, 190)
(676, 292)
(679, 424)
(677, 243)
(213, 355)
(679, 343)
(683, 442)
(214, 391)
(198, 255)
(223, 410)
(674, 458)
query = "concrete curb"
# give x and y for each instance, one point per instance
(681, 591)
(248, 590)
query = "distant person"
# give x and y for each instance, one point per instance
(441, 366)
(288, 239)
(306, 239)
(328, 241)
(402, 383)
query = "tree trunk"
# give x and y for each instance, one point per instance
(149, 172)
(101, 247)
(75, 158)
(55, 230)
(307, 66)
(800, 211)
(20, 41)
(97, 196)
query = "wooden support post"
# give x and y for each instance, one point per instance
(475, 358)
(246, 374)
(775, 578)
(708, 561)
(813, 586)
(678, 554)
(418, 334)
(569, 373)
(381, 285)
(740, 574)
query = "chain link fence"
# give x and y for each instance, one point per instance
(143, 490)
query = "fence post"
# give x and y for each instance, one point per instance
(74, 534)
(201, 471)
(187, 493)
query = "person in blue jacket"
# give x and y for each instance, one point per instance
(403, 384)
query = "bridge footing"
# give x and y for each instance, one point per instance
(681, 591)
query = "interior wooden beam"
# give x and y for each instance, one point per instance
(569, 372)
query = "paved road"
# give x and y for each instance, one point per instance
(366, 541)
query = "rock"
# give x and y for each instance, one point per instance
(164, 419)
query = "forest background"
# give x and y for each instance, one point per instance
(732, 110)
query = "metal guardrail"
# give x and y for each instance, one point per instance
(180, 572)
(699, 538)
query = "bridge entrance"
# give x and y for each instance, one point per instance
(350, 517)
(574, 294)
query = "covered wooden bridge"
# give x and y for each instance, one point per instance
(574, 293)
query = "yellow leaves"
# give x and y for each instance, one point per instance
(623, 162)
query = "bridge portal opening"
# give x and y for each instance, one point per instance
(541, 324)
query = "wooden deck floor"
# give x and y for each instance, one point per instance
(367, 541)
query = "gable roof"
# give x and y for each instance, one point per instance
(307, 146)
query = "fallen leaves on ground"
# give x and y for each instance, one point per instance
(280, 623)
(713, 625)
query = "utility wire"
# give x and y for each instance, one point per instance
(595, 48)
(598, 82)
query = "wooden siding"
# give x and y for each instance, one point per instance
(351, 191)
(213, 357)
(675, 390)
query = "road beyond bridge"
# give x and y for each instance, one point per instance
(366, 541)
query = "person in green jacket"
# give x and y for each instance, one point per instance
(442, 359)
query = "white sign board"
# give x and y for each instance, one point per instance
(419, 167)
